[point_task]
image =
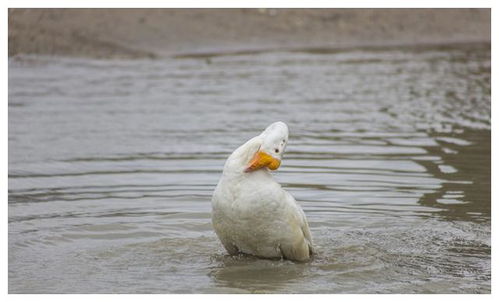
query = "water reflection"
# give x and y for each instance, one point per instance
(462, 198)
(257, 275)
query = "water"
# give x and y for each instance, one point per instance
(112, 165)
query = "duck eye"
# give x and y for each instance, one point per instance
(276, 150)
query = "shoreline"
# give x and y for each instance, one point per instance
(157, 33)
(339, 48)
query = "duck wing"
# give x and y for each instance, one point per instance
(300, 246)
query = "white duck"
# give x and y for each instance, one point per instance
(252, 214)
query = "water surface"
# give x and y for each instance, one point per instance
(112, 165)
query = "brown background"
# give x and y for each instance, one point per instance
(163, 32)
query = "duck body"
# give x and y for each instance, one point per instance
(253, 214)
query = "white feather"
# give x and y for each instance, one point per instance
(252, 214)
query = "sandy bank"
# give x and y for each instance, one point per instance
(135, 33)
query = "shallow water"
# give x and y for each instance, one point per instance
(112, 165)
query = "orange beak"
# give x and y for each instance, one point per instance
(260, 160)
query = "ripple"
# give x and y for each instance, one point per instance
(112, 165)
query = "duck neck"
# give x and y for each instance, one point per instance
(239, 159)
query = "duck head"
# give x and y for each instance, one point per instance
(273, 143)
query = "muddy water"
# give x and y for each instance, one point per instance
(112, 165)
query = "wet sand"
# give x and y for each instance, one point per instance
(138, 33)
